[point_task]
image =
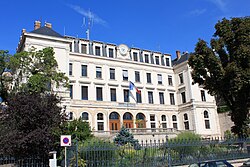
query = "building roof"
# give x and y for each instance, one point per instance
(47, 31)
(182, 59)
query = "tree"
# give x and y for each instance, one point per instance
(223, 68)
(80, 130)
(125, 137)
(5, 78)
(39, 68)
(28, 123)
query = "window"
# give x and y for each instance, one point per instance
(112, 73)
(85, 116)
(159, 76)
(99, 94)
(76, 45)
(70, 47)
(126, 95)
(70, 116)
(70, 69)
(183, 97)
(111, 52)
(152, 117)
(84, 48)
(112, 94)
(174, 119)
(161, 96)
(141, 57)
(135, 56)
(162, 60)
(97, 51)
(153, 126)
(100, 116)
(203, 96)
(167, 61)
(163, 118)
(206, 119)
(71, 91)
(170, 80)
(207, 124)
(100, 121)
(172, 101)
(163, 121)
(138, 97)
(137, 76)
(100, 126)
(125, 75)
(146, 58)
(157, 60)
(186, 124)
(181, 78)
(84, 92)
(98, 72)
(152, 58)
(164, 125)
(84, 70)
(150, 97)
(148, 77)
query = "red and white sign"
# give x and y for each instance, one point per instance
(65, 140)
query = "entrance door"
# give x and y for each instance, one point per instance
(128, 120)
(140, 121)
(114, 125)
(114, 121)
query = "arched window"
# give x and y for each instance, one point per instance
(186, 123)
(100, 116)
(206, 114)
(174, 118)
(70, 116)
(163, 118)
(185, 117)
(140, 116)
(85, 116)
(127, 116)
(114, 115)
(206, 119)
(175, 124)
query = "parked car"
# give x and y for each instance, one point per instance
(247, 163)
(215, 163)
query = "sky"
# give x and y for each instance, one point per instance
(157, 25)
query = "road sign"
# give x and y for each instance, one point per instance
(65, 140)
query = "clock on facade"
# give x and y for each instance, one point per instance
(123, 49)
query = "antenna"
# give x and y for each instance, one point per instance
(89, 24)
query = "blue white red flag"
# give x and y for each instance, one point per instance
(133, 90)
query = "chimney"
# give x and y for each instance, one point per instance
(23, 31)
(37, 25)
(178, 54)
(48, 25)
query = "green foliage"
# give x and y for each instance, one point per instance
(124, 137)
(5, 78)
(40, 69)
(224, 68)
(96, 149)
(78, 129)
(27, 124)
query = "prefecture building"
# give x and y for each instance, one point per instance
(100, 75)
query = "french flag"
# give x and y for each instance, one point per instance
(133, 90)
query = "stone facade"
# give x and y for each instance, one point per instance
(100, 75)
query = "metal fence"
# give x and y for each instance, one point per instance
(158, 153)
(23, 162)
(145, 154)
